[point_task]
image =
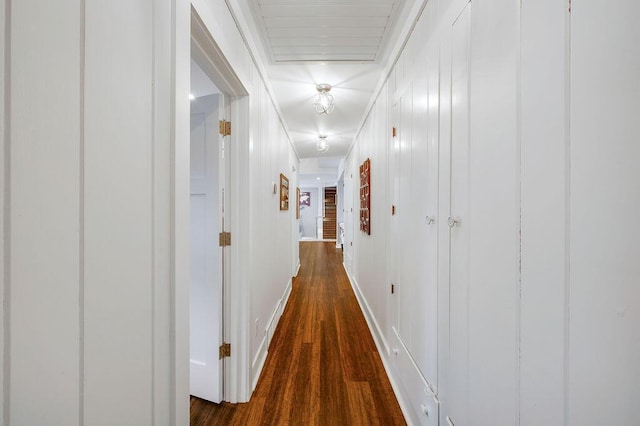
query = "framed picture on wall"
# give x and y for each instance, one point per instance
(305, 199)
(298, 203)
(284, 192)
(365, 197)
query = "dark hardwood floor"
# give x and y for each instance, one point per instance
(323, 367)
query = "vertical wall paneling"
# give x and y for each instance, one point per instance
(381, 209)
(394, 223)
(4, 203)
(456, 156)
(428, 218)
(165, 403)
(406, 255)
(95, 238)
(459, 220)
(494, 209)
(543, 213)
(44, 214)
(118, 213)
(90, 231)
(446, 374)
(605, 188)
(536, 295)
(179, 216)
(420, 245)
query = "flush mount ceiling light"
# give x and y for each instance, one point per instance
(323, 102)
(322, 145)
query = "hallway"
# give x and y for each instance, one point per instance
(323, 367)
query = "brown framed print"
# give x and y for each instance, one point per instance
(284, 192)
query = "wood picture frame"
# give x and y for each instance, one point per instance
(297, 203)
(284, 192)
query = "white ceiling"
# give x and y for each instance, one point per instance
(325, 30)
(294, 87)
(345, 43)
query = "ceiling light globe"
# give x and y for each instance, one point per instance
(323, 101)
(322, 145)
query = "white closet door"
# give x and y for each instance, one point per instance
(422, 248)
(407, 257)
(458, 220)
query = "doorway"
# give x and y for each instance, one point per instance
(217, 177)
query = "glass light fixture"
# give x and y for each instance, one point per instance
(322, 145)
(323, 102)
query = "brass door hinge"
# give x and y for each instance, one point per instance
(393, 132)
(225, 128)
(225, 350)
(225, 239)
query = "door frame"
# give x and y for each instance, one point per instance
(206, 52)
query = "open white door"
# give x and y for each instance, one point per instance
(206, 254)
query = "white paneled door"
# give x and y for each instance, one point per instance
(458, 220)
(206, 254)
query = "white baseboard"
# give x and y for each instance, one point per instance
(287, 293)
(258, 362)
(383, 349)
(261, 354)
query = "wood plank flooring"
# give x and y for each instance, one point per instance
(323, 367)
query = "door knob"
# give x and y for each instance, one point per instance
(453, 221)
(430, 220)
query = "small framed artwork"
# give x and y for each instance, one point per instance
(298, 203)
(305, 199)
(284, 192)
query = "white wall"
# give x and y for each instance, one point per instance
(540, 327)
(605, 189)
(4, 196)
(90, 276)
(44, 277)
(543, 210)
(264, 280)
(95, 192)
(96, 257)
